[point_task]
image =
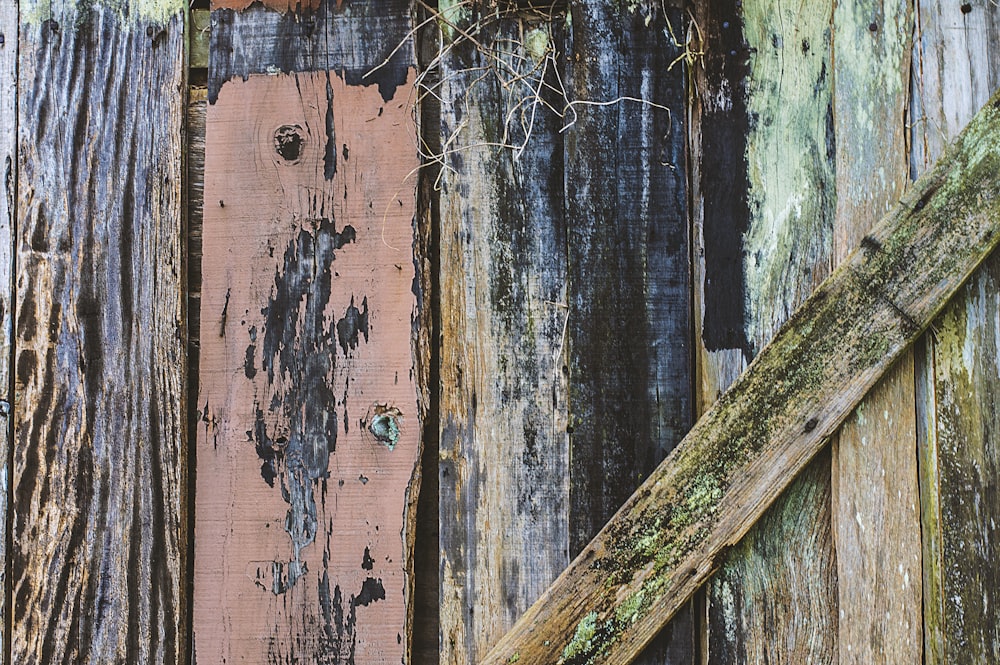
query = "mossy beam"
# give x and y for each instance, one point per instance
(670, 535)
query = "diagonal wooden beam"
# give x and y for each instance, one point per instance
(670, 535)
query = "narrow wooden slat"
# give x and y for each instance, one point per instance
(629, 329)
(8, 198)
(310, 426)
(669, 536)
(504, 407)
(874, 472)
(528, 298)
(98, 493)
(956, 65)
(768, 186)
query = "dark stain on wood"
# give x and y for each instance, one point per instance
(296, 427)
(725, 126)
(629, 330)
(256, 40)
(97, 549)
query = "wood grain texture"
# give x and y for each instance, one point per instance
(553, 284)
(768, 188)
(8, 207)
(874, 472)
(351, 38)
(310, 430)
(565, 287)
(629, 327)
(674, 531)
(803, 619)
(956, 66)
(98, 493)
(504, 461)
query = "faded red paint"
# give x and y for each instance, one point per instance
(257, 202)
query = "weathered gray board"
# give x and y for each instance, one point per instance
(565, 295)
(956, 66)
(98, 498)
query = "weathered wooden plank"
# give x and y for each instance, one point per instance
(8, 207)
(629, 323)
(767, 184)
(956, 66)
(802, 617)
(874, 472)
(671, 534)
(528, 298)
(504, 445)
(99, 539)
(310, 423)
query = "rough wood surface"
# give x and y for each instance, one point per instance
(504, 461)
(629, 327)
(768, 187)
(98, 492)
(543, 316)
(761, 599)
(8, 207)
(874, 472)
(671, 534)
(310, 429)
(956, 66)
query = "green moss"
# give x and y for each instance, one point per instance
(74, 12)
(536, 43)
(583, 639)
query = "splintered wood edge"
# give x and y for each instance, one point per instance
(671, 534)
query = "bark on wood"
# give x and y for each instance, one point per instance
(534, 306)
(98, 494)
(956, 65)
(8, 207)
(669, 537)
(874, 472)
(310, 421)
(767, 184)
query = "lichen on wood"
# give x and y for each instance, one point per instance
(778, 414)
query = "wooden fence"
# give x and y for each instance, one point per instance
(333, 332)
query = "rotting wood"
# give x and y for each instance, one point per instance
(767, 184)
(8, 207)
(98, 542)
(874, 464)
(310, 420)
(956, 65)
(668, 538)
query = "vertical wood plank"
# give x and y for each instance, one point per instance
(565, 288)
(310, 427)
(874, 471)
(956, 67)
(8, 207)
(98, 494)
(765, 221)
(504, 406)
(629, 327)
